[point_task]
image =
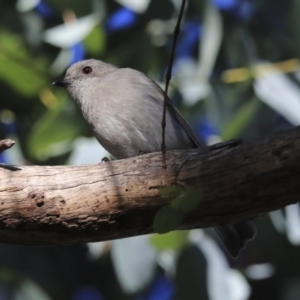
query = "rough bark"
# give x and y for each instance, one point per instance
(66, 204)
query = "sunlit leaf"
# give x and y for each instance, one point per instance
(174, 240)
(17, 68)
(136, 256)
(53, 133)
(74, 32)
(95, 41)
(281, 93)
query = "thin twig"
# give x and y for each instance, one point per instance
(4, 145)
(168, 78)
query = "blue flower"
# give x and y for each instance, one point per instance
(243, 9)
(189, 39)
(205, 129)
(3, 158)
(87, 293)
(43, 9)
(161, 289)
(225, 4)
(77, 53)
(121, 19)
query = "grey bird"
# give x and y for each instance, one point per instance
(124, 108)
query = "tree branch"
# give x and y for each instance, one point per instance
(6, 144)
(66, 204)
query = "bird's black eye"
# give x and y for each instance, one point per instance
(87, 70)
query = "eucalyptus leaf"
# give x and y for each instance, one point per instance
(95, 41)
(65, 36)
(174, 240)
(170, 192)
(53, 133)
(136, 257)
(187, 201)
(241, 120)
(18, 69)
(167, 219)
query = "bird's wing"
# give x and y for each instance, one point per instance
(170, 106)
(177, 115)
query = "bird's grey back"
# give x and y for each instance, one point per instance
(125, 109)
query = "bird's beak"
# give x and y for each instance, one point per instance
(62, 82)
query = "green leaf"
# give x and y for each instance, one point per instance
(294, 25)
(170, 192)
(170, 216)
(18, 69)
(241, 120)
(53, 133)
(187, 201)
(174, 240)
(95, 41)
(167, 219)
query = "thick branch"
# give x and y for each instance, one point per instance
(67, 204)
